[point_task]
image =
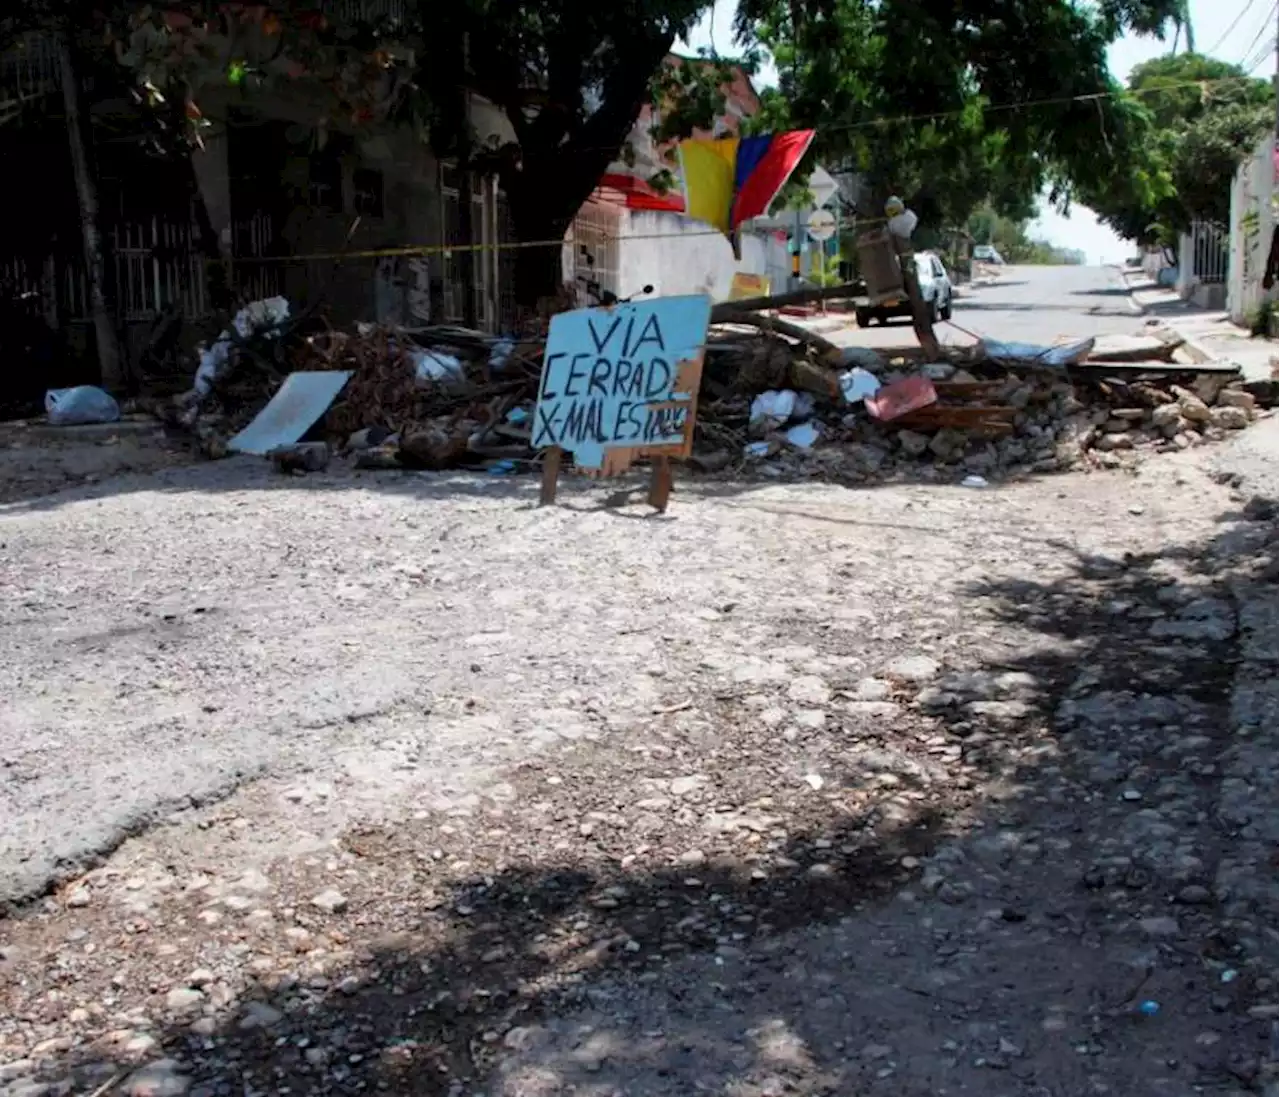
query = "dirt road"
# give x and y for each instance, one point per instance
(910, 790)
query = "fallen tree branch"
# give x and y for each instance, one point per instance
(781, 327)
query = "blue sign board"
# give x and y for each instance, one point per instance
(621, 378)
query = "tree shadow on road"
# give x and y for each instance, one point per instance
(660, 877)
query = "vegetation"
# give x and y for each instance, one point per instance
(1009, 237)
(1199, 118)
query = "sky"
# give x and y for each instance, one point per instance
(1239, 31)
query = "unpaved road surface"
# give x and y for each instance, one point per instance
(402, 783)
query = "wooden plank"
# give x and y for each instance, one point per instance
(550, 475)
(1162, 368)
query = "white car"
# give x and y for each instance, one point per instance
(985, 253)
(935, 288)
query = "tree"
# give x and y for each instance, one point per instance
(1198, 119)
(952, 102)
(571, 79)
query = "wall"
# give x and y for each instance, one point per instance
(679, 256)
(1253, 221)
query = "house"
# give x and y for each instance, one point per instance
(1252, 229)
(631, 234)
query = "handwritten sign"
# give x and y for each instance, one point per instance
(620, 383)
(745, 286)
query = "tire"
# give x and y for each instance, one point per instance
(933, 311)
(863, 318)
(946, 310)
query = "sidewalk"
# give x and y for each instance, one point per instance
(1210, 336)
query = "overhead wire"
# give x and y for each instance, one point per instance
(1234, 23)
(1268, 23)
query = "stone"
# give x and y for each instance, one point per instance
(200, 977)
(809, 689)
(161, 1078)
(301, 457)
(1191, 405)
(1114, 441)
(79, 896)
(1194, 895)
(683, 786)
(914, 668)
(183, 999)
(16, 1068)
(1160, 927)
(259, 1015)
(1229, 418)
(331, 901)
(693, 858)
(872, 689)
(912, 442)
(1237, 398)
(948, 443)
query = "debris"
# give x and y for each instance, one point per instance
(291, 412)
(1149, 1007)
(301, 457)
(803, 435)
(1134, 348)
(897, 399)
(857, 384)
(434, 366)
(1023, 355)
(79, 405)
(974, 482)
(774, 407)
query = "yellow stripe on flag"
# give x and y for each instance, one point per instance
(708, 168)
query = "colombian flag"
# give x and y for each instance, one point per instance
(732, 179)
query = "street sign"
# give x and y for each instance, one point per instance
(822, 187)
(822, 224)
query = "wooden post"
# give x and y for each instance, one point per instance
(919, 314)
(550, 476)
(660, 484)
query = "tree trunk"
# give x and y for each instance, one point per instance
(538, 215)
(109, 359)
(919, 311)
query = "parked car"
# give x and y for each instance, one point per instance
(985, 253)
(935, 288)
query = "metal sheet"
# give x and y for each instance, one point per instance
(291, 412)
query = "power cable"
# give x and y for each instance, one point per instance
(1234, 23)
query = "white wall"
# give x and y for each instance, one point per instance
(676, 255)
(1253, 220)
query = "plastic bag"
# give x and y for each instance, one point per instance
(778, 406)
(857, 384)
(803, 435)
(500, 353)
(434, 365)
(82, 404)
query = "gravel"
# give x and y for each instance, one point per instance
(796, 791)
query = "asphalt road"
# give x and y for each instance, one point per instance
(1027, 304)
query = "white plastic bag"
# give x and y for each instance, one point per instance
(434, 365)
(775, 406)
(82, 404)
(857, 384)
(803, 435)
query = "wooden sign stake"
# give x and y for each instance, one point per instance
(550, 475)
(660, 483)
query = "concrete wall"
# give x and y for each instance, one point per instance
(1253, 221)
(676, 256)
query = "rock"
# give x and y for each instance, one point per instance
(682, 786)
(79, 896)
(715, 461)
(1166, 415)
(809, 689)
(1260, 509)
(865, 458)
(914, 668)
(331, 901)
(1114, 441)
(301, 457)
(1229, 418)
(183, 999)
(912, 442)
(872, 689)
(201, 977)
(259, 1015)
(874, 1052)
(16, 1068)
(1160, 927)
(1192, 406)
(879, 710)
(162, 1078)
(692, 859)
(1194, 895)
(947, 443)
(1237, 398)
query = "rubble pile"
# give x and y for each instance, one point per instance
(775, 400)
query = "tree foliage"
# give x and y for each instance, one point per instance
(1198, 119)
(953, 102)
